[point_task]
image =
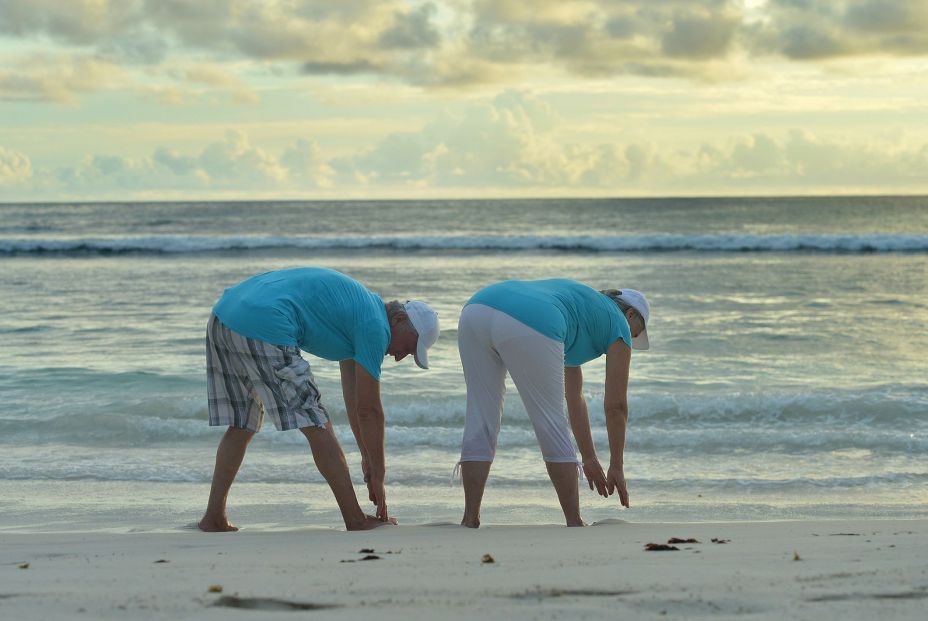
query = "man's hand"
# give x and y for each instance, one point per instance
(366, 471)
(378, 495)
(595, 476)
(615, 481)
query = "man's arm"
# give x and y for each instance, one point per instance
(580, 424)
(347, 368)
(351, 404)
(371, 434)
(615, 405)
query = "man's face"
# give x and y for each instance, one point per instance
(403, 340)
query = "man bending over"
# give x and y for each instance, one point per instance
(253, 342)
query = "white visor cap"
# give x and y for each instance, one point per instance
(636, 300)
(425, 321)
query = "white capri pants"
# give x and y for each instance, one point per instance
(490, 343)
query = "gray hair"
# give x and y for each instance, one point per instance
(394, 308)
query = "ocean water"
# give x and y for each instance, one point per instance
(788, 376)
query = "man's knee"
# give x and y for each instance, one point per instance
(313, 432)
(240, 434)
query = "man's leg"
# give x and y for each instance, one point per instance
(330, 460)
(229, 458)
(474, 476)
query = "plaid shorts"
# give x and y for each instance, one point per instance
(247, 378)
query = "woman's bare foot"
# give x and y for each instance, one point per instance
(216, 525)
(371, 522)
(471, 523)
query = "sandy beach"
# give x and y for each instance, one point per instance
(766, 570)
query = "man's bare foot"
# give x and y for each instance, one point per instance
(370, 522)
(577, 523)
(474, 523)
(218, 525)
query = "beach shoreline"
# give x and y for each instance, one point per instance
(818, 569)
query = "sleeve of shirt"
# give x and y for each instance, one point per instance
(370, 346)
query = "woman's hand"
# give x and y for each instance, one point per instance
(615, 481)
(595, 476)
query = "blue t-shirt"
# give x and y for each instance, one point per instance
(319, 310)
(582, 318)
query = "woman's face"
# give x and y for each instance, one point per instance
(635, 322)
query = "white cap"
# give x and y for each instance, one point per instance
(636, 300)
(425, 321)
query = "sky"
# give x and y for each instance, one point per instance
(305, 99)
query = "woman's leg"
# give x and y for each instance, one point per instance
(536, 364)
(563, 476)
(474, 477)
(485, 377)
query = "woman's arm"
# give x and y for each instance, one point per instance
(615, 406)
(580, 424)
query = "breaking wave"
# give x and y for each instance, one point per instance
(180, 244)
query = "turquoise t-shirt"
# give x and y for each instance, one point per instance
(582, 318)
(319, 310)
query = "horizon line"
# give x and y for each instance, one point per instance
(462, 199)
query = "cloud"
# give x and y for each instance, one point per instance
(63, 78)
(801, 30)
(892, 17)
(230, 164)
(515, 142)
(77, 22)
(470, 42)
(755, 154)
(215, 76)
(509, 142)
(340, 68)
(235, 159)
(101, 174)
(699, 37)
(306, 165)
(412, 30)
(58, 78)
(15, 167)
(450, 162)
(345, 37)
(180, 165)
(799, 161)
(298, 30)
(668, 38)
